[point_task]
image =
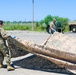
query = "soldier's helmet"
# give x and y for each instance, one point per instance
(54, 19)
(1, 22)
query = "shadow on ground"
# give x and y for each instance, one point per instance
(38, 63)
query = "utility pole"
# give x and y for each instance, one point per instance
(32, 15)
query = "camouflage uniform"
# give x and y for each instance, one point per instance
(3, 48)
(52, 27)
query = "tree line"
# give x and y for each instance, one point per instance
(38, 25)
(49, 18)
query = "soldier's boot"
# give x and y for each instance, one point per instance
(1, 64)
(10, 68)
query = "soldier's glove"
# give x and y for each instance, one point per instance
(13, 36)
(55, 31)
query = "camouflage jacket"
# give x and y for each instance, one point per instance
(52, 26)
(3, 33)
(3, 45)
(3, 36)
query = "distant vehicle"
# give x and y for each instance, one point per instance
(59, 27)
(72, 26)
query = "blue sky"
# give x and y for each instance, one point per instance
(21, 10)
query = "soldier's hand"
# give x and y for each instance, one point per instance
(13, 36)
(55, 31)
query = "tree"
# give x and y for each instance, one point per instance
(64, 21)
(47, 19)
(19, 22)
(37, 24)
(7, 22)
(14, 21)
(41, 22)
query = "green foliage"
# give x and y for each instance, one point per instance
(47, 19)
(41, 22)
(56, 17)
(66, 28)
(38, 26)
(64, 21)
(17, 27)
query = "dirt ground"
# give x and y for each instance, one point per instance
(31, 64)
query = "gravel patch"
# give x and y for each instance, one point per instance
(37, 63)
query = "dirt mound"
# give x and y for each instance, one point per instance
(38, 63)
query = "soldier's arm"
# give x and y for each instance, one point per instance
(51, 26)
(3, 33)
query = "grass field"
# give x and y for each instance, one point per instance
(28, 26)
(25, 26)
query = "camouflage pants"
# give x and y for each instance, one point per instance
(4, 50)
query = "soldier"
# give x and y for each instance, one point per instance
(3, 48)
(53, 26)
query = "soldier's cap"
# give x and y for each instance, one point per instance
(1, 22)
(54, 19)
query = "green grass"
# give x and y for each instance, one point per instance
(17, 27)
(24, 27)
(38, 28)
(66, 28)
